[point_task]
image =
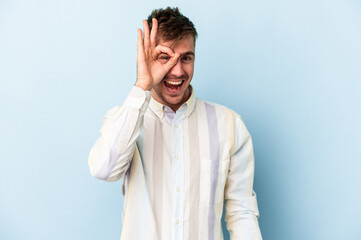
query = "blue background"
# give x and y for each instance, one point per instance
(292, 69)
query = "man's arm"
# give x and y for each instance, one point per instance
(112, 153)
(241, 203)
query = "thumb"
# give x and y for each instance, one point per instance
(171, 62)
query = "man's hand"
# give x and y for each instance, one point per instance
(149, 70)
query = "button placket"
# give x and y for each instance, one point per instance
(178, 174)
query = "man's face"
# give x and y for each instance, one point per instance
(173, 90)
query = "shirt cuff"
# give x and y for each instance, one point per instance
(138, 98)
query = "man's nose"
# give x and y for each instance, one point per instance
(177, 69)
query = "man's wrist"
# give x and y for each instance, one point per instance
(137, 98)
(145, 87)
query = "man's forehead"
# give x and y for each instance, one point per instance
(187, 41)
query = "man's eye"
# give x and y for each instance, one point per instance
(187, 59)
(163, 58)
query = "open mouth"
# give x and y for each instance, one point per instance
(173, 86)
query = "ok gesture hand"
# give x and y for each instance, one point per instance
(149, 70)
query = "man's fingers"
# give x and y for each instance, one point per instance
(172, 61)
(162, 49)
(140, 47)
(146, 34)
(153, 33)
(173, 57)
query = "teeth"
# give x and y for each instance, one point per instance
(174, 83)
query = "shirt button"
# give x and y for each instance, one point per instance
(176, 125)
(166, 109)
(177, 157)
(177, 221)
(178, 189)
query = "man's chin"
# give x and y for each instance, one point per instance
(171, 100)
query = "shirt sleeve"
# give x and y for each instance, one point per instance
(111, 155)
(241, 203)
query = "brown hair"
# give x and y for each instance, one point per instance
(172, 25)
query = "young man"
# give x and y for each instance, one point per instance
(179, 157)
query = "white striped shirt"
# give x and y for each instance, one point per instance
(178, 168)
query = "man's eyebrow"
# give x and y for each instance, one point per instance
(183, 54)
(188, 53)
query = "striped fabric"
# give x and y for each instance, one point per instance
(178, 168)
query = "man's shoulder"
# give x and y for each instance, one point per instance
(226, 119)
(218, 108)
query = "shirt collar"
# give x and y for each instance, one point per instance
(159, 108)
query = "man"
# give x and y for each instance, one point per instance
(179, 157)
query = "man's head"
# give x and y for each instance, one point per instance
(178, 33)
(172, 25)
